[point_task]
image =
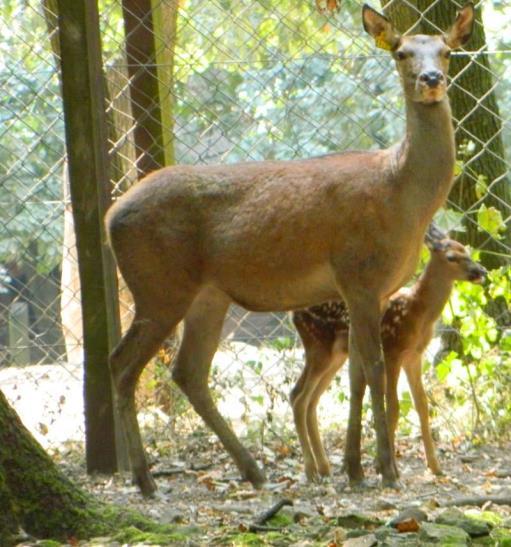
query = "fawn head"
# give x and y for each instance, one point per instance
(456, 261)
(422, 60)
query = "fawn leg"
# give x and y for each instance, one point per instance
(300, 398)
(203, 325)
(127, 361)
(413, 371)
(315, 378)
(322, 463)
(366, 359)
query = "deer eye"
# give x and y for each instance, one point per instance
(451, 257)
(400, 55)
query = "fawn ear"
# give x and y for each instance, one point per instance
(460, 32)
(435, 238)
(380, 28)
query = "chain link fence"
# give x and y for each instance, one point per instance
(224, 82)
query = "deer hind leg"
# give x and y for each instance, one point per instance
(127, 361)
(202, 329)
(420, 399)
(366, 361)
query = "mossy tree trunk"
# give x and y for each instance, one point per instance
(34, 494)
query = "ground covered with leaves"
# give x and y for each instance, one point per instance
(202, 502)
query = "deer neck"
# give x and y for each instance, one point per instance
(433, 289)
(426, 156)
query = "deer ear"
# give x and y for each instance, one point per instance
(435, 238)
(380, 28)
(460, 32)
(437, 246)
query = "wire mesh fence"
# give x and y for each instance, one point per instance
(224, 81)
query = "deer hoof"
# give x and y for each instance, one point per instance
(255, 476)
(391, 482)
(146, 484)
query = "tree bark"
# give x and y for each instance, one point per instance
(476, 111)
(34, 494)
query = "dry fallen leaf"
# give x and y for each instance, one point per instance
(328, 6)
(283, 450)
(409, 525)
(207, 481)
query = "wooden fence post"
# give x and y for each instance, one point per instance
(150, 68)
(83, 89)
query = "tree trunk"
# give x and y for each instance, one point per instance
(476, 112)
(34, 494)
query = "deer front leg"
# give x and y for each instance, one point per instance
(352, 457)
(392, 371)
(366, 360)
(420, 399)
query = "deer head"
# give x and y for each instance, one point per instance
(422, 61)
(456, 261)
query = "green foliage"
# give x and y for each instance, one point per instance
(480, 372)
(405, 403)
(32, 140)
(490, 220)
(282, 343)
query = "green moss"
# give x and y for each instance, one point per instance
(48, 505)
(501, 537)
(247, 538)
(48, 543)
(490, 517)
(357, 520)
(472, 524)
(134, 535)
(279, 538)
(8, 517)
(281, 520)
(442, 534)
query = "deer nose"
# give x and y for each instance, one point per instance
(431, 78)
(478, 274)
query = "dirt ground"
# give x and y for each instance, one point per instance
(200, 491)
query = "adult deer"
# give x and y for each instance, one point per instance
(406, 330)
(284, 235)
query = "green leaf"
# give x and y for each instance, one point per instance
(505, 342)
(444, 367)
(405, 404)
(449, 220)
(490, 220)
(259, 399)
(458, 168)
(481, 188)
